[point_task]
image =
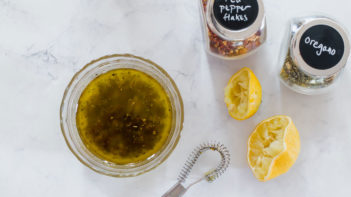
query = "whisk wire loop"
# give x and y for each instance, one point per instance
(194, 156)
(178, 189)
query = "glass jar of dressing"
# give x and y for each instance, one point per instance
(315, 54)
(233, 28)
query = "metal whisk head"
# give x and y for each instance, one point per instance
(178, 190)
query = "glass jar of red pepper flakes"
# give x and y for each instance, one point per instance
(233, 28)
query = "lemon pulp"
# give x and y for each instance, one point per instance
(267, 144)
(238, 93)
(124, 116)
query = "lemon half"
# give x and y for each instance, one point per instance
(273, 147)
(243, 94)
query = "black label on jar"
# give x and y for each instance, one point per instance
(322, 47)
(235, 14)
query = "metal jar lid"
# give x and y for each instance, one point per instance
(235, 19)
(320, 47)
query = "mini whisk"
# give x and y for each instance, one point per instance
(178, 189)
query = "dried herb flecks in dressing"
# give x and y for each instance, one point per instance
(124, 116)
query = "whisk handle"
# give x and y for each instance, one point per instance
(177, 190)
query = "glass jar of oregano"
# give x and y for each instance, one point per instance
(316, 52)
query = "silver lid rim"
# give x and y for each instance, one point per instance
(227, 34)
(295, 47)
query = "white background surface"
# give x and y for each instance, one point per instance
(43, 43)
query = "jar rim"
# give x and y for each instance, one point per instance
(295, 46)
(69, 106)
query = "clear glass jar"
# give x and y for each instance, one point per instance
(314, 55)
(233, 28)
(69, 109)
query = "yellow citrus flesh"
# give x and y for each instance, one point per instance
(243, 94)
(273, 147)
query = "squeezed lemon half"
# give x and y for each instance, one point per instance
(243, 94)
(273, 147)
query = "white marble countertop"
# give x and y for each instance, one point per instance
(43, 43)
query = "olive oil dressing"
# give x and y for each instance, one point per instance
(124, 116)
